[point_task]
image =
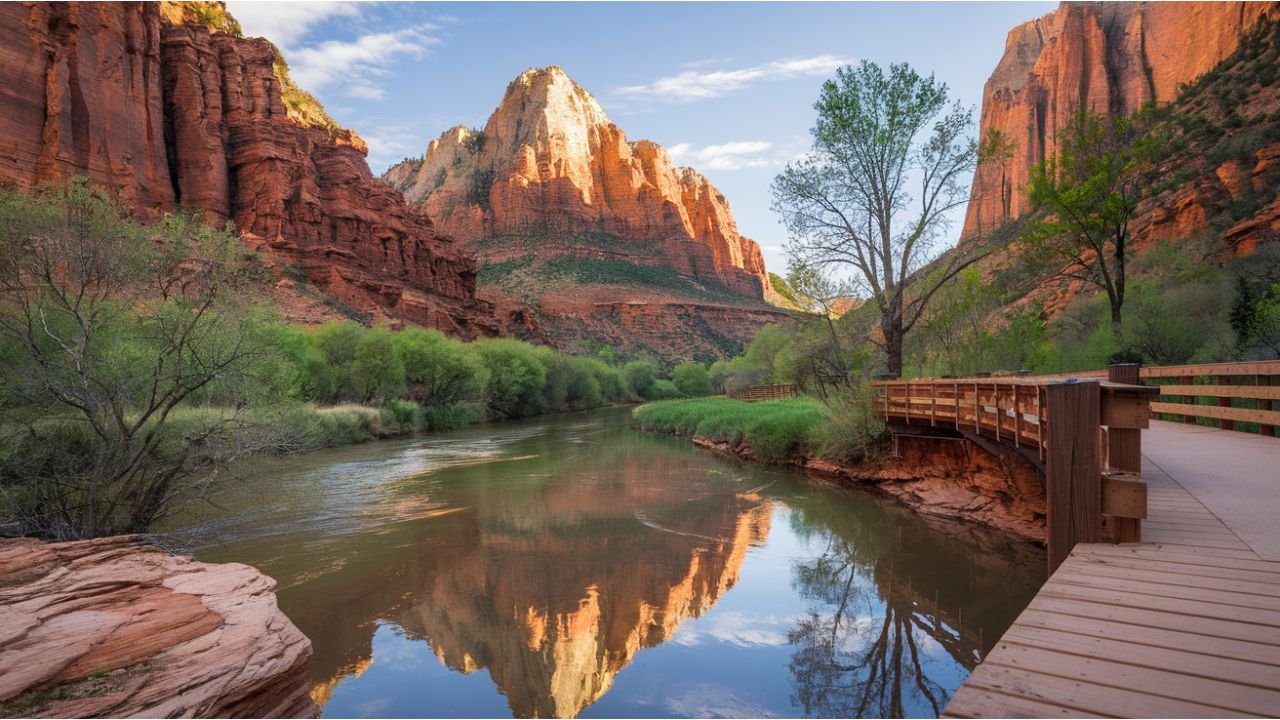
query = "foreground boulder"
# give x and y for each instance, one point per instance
(115, 627)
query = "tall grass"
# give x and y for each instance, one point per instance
(775, 431)
(846, 432)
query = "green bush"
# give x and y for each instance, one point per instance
(852, 432)
(516, 378)
(641, 376)
(692, 379)
(439, 371)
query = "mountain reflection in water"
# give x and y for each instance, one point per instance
(591, 570)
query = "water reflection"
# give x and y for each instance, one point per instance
(524, 570)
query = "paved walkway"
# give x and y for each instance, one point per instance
(1184, 624)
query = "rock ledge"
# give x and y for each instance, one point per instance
(115, 627)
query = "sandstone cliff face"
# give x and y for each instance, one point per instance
(585, 238)
(122, 629)
(169, 114)
(550, 160)
(1103, 57)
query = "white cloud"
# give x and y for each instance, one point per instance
(700, 85)
(390, 142)
(353, 62)
(351, 65)
(285, 23)
(725, 156)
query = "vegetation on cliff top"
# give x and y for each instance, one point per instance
(301, 105)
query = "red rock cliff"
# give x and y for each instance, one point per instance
(169, 114)
(549, 159)
(1104, 57)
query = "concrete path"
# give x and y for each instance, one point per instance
(1235, 475)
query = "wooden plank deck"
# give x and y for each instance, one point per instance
(1184, 624)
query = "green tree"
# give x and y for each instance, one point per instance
(641, 375)
(997, 150)
(109, 329)
(516, 378)
(377, 373)
(440, 372)
(888, 166)
(692, 379)
(1085, 195)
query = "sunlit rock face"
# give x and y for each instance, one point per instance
(168, 113)
(549, 159)
(1110, 57)
(123, 629)
(579, 230)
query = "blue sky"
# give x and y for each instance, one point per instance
(726, 87)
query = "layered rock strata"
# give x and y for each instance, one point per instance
(1104, 57)
(549, 160)
(170, 113)
(117, 628)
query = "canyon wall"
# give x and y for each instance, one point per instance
(1103, 57)
(549, 160)
(169, 112)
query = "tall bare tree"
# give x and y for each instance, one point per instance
(875, 194)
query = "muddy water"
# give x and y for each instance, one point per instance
(573, 566)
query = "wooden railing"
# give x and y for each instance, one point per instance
(760, 393)
(1245, 395)
(1084, 434)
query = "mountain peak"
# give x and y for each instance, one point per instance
(551, 100)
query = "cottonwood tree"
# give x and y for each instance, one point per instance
(873, 197)
(109, 331)
(1084, 197)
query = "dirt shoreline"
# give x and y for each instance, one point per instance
(944, 478)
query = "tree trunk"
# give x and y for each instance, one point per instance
(891, 326)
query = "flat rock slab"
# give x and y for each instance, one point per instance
(115, 627)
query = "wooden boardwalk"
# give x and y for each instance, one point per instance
(1184, 624)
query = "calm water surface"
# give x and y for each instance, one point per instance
(574, 566)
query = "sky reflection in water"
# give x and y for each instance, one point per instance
(572, 566)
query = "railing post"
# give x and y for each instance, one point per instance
(1266, 430)
(1224, 402)
(1073, 477)
(1124, 453)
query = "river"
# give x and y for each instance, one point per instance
(572, 565)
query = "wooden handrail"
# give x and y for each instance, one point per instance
(1064, 422)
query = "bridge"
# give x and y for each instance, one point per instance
(1164, 547)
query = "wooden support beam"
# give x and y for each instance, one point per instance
(1073, 482)
(1267, 381)
(1225, 424)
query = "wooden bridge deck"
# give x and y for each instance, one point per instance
(1183, 624)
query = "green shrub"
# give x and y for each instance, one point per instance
(641, 375)
(516, 378)
(852, 432)
(402, 415)
(692, 379)
(440, 371)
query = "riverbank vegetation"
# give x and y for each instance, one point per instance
(842, 430)
(140, 360)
